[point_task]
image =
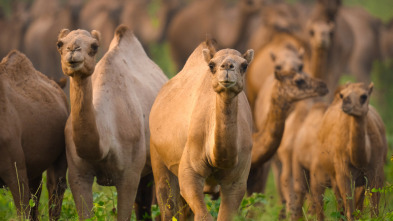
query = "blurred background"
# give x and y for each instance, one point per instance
(169, 30)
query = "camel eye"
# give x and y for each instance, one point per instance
(59, 44)
(244, 67)
(341, 96)
(278, 68)
(212, 66)
(301, 68)
(363, 99)
(94, 48)
(312, 32)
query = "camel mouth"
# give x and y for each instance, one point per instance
(75, 64)
(227, 84)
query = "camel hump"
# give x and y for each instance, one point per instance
(15, 61)
(122, 33)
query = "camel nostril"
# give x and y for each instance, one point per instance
(300, 82)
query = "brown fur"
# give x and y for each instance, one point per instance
(33, 114)
(351, 146)
(227, 24)
(263, 66)
(273, 104)
(201, 128)
(107, 134)
(386, 40)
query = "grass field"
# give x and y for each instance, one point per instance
(260, 206)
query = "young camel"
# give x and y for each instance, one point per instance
(33, 115)
(107, 134)
(274, 102)
(201, 127)
(351, 149)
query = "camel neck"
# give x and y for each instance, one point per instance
(268, 137)
(84, 128)
(319, 63)
(225, 149)
(238, 29)
(357, 141)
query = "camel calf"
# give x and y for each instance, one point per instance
(351, 146)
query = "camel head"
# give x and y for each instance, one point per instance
(354, 98)
(227, 68)
(321, 34)
(250, 7)
(77, 50)
(295, 84)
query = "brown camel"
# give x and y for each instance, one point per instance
(282, 45)
(107, 134)
(274, 102)
(351, 149)
(366, 29)
(226, 24)
(201, 127)
(321, 37)
(33, 115)
(386, 40)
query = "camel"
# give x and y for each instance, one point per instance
(351, 149)
(33, 114)
(386, 40)
(280, 92)
(321, 46)
(263, 66)
(366, 29)
(226, 24)
(107, 134)
(201, 134)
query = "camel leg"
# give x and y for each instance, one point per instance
(126, 193)
(300, 189)
(376, 181)
(359, 193)
(344, 186)
(191, 188)
(57, 184)
(81, 185)
(339, 200)
(144, 197)
(286, 180)
(35, 190)
(317, 191)
(167, 188)
(231, 197)
(277, 169)
(256, 182)
(13, 173)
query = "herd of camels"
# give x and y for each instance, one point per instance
(216, 127)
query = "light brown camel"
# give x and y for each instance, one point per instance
(321, 37)
(274, 102)
(201, 128)
(351, 149)
(227, 24)
(281, 45)
(107, 134)
(33, 115)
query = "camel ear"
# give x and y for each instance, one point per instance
(207, 55)
(370, 88)
(96, 35)
(249, 55)
(301, 52)
(272, 56)
(64, 32)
